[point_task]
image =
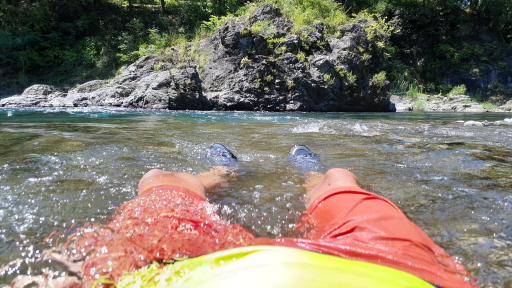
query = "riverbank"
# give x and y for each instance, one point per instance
(263, 61)
(47, 96)
(452, 103)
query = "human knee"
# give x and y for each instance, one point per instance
(154, 172)
(339, 172)
(152, 178)
(189, 180)
(157, 177)
(341, 177)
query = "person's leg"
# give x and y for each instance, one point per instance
(220, 157)
(199, 184)
(353, 223)
(317, 183)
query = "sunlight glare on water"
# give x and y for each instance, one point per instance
(64, 167)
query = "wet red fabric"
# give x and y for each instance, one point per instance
(356, 224)
(163, 223)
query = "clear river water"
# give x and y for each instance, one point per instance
(59, 167)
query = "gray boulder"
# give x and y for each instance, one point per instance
(23, 101)
(90, 86)
(31, 97)
(507, 106)
(39, 89)
(275, 70)
(474, 123)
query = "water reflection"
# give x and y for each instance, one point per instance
(62, 167)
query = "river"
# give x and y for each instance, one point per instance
(59, 167)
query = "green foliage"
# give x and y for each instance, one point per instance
(130, 40)
(356, 6)
(209, 26)
(458, 90)
(378, 29)
(329, 79)
(419, 105)
(444, 89)
(414, 91)
(306, 12)
(245, 32)
(75, 41)
(379, 80)
(264, 27)
(348, 76)
(280, 49)
(351, 78)
(497, 14)
(446, 50)
(366, 58)
(244, 62)
(400, 86)
(22, 78)
(489, 106)
(158, 66)
(444, 26)
(290, 84)
(502, 65)
(301, 56)
(406, 84)
(275, 43)
(304, 42)
(463, 53)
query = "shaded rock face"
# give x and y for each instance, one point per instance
(487, 80)
(257, 62)
(150, 83)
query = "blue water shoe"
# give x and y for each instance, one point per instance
(219, 155)
(302, 158)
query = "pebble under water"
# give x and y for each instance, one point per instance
(64, 167)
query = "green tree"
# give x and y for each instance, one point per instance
(497, 14)
(75, 40)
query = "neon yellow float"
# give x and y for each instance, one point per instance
(270, 266)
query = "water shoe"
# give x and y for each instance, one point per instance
(302, 158)
(219, 155)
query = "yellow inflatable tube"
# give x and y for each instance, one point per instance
(270, 266)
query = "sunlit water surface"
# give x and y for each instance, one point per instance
(60, 167)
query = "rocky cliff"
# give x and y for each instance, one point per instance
(257, 62)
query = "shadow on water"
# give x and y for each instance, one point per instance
(62, 167)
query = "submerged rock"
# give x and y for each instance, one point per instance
(474, 123)
(471, 123)
(254, 62)
(506, 121)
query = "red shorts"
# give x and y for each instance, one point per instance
(169, 222)
(162, 223)
(356, 224)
